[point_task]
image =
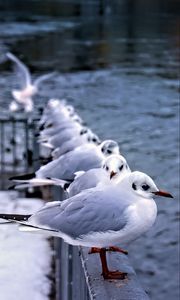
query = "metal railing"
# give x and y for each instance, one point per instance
(19, 150)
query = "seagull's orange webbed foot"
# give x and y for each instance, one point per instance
(94, 250)
(114, 275)
(117, 249)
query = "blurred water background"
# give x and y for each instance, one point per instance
(118, 64)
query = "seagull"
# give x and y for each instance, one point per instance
(13, 106)
(58, 124)
(101, 217)
(57, 116)
(56, 110)
(63, 136)
(29, 89)
(82, 158)
(112, 171)
(77, 141)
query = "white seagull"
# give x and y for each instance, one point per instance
(112, 171)
(29, 89)
(73, 143)
(82, 158)
(62, 136)
(101, 217)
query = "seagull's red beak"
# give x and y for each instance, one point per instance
(163, 194)
(112, 174)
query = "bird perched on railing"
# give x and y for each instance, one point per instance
(114, 168)
(24, 95)
(82, 158)
(101, 217)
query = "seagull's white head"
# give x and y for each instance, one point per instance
(92, 138)
(70, 110)
(143, 186)
(84, 130)
(116, 166)
(77, 119)
(52, 103)
(109, 147)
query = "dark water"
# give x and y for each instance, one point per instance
(118, 64)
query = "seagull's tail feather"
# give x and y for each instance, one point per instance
(22, 184)
(17, 95)
(48, 145)
(19, 187)
(22, 220)
(14, 217)
(63, 183)
(23, 177)
(59, 182)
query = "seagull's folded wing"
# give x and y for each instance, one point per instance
(88, 212)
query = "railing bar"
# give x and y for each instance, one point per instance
(14, 141)
(26, 144)
(64, 271)
(2, 155)
(35, 147)
(70, 270)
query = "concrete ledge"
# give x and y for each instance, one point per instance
(128, 289)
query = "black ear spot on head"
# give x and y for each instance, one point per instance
(103, 149)
(134, 186)
(120, 168)
(83, 131)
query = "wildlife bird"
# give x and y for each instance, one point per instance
(82, 158)
(101, 217)
(76, 141)
(112, 171)
(29, 89)
(63, 136)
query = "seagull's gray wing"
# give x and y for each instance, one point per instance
(21, 67)
(70, 145)
(66, 165)
(88, 180)
(62, 137)
(43, 78)
(90, 211)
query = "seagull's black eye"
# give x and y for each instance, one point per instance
(145, 187)
(109, 151)
(134, 186)
(94, 140)
(120, 168)
(107, 168)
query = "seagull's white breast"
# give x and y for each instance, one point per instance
(141, 216)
